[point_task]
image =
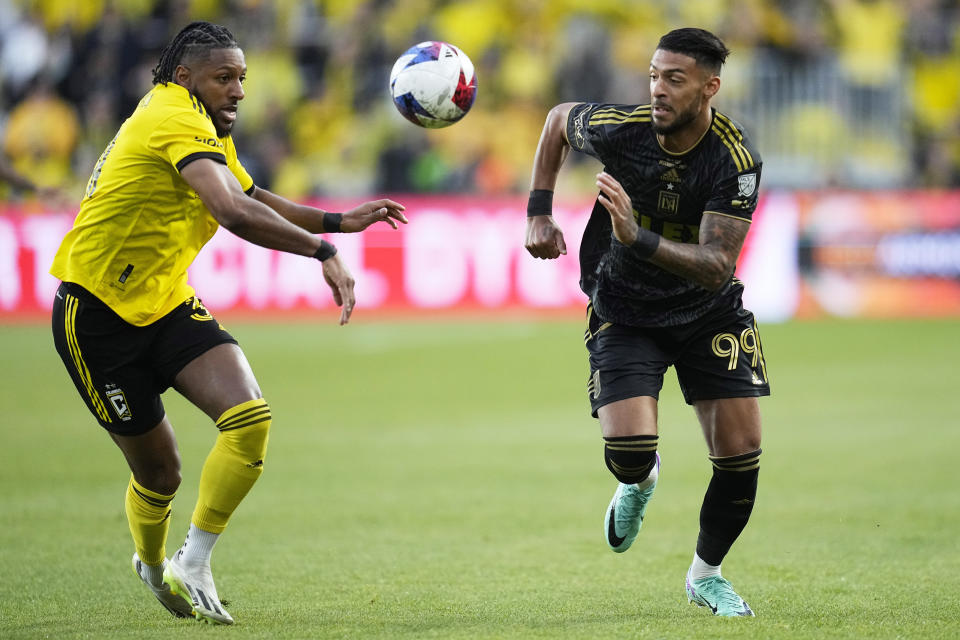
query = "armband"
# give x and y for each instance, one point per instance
(331, 222)
(325, 251)
(646, 243)
(540, 203)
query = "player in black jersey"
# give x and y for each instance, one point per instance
(677, 192)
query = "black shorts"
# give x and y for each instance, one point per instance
(716, 356)
(121, 369)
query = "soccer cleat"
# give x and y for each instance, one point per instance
(177, 606)
(197, 586)
(625, 513)
(718, 595)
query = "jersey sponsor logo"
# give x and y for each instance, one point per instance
(676, 231)
(118, 401)
(748, 184)
(213, 142)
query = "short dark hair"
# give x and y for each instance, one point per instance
(701, 45)
(196, 38)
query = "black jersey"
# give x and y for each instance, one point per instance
(670, 193)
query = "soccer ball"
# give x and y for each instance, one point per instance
(433, 84)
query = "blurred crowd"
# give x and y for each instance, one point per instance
(317, 120)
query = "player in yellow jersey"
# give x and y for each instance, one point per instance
(128, 326)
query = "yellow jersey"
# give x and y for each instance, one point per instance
(140, 225)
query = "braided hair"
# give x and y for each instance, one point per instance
(197, 37)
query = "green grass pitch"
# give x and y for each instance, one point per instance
(444, 480)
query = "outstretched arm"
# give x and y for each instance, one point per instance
(710, 263)
(544, 238)
(313, 220)
(256, 222)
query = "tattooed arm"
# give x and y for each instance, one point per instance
(710, 263)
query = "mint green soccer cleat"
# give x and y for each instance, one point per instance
(177, 606)
(718, 595)
(625, 514)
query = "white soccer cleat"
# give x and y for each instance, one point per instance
(177, 606)
(196, 585)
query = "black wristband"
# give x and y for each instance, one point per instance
(646, 243)
(331, 222)
(325, 251)
(540, 203)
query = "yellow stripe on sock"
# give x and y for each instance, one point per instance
(148, 514)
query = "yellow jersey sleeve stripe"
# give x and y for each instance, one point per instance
(737, 159)
(212, 155)
(727, 215)
(735, 137)
(741, 156)
(729, 126)
(614, 110)
(611, 110)
(612, 115)
(70, 318)
(620, 120)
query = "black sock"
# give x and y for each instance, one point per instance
(727, 504)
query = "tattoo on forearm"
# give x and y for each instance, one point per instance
(711, 262)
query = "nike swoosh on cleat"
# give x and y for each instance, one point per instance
(612, 537)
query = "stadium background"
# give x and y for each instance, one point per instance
(855, 105)
(433, 470)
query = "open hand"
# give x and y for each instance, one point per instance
(361, 217)
(341, 283)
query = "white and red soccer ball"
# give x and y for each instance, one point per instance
(433, 84)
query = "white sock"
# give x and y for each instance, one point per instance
(197, 548)
(651, 478)
(152, 573)
(700, 569)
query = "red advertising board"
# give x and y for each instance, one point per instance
(807, 254)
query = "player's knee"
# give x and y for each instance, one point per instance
(245, 429)
(163, 479)
(630, 458)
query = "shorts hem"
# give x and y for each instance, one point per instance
(206, 347)
(758, 393)
(617, 398)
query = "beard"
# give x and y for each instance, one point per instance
(222, 129)
(683, 119)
